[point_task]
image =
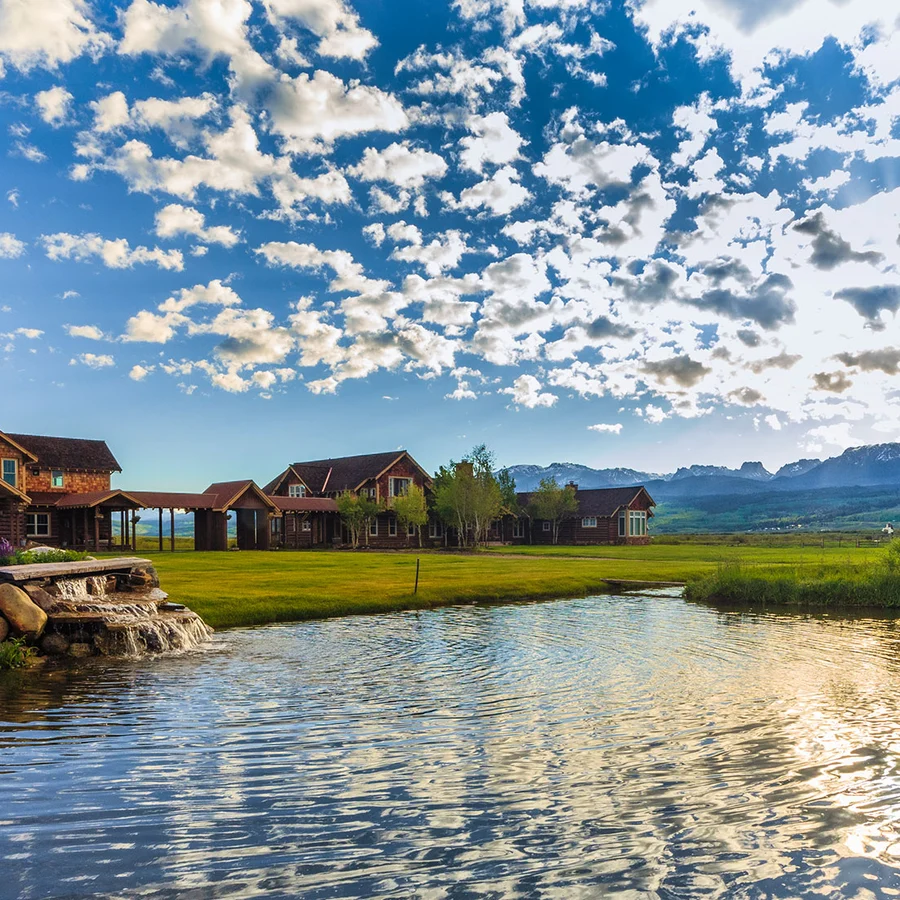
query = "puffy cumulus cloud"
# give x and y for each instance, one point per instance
(401, 165)
(753, 34)
(10, 246)
(139, 372)
(438, 255)
(311, 112)
(110, 112)
(337, 26)
(499, 194)
(492, 141)
(47, 32)
(250, 337)
(114, 254)
(526, 391)
(886, 359)
(822, 436)
(604, 428)
(93, 361)
(175, 220)
(89, 332)
(54, 105)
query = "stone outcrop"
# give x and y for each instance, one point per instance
(25, 619)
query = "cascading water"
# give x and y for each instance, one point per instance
(133, 622)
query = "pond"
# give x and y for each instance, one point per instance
(568, 749)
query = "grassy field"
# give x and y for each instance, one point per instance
(253, 588)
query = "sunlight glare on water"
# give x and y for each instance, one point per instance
(637, 745)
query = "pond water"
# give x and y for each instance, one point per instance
(571, 749)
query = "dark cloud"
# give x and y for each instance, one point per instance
(781, 361)
(834, 382)
(604, 327)
(869, 302)
(653, 285)
(747, 396)
(830, 250)
(767, 304)
(749, 338)
(728, 267)
(683, 370)
(886, 360)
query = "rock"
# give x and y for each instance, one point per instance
(25, 618)
(145, 577)
(4, 629)
(41, 598)
(79, 650)
(55, 644)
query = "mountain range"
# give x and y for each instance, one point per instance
(858, 489)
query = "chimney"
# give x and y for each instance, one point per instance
(572, 485)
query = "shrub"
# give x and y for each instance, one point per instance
(28, 557)
(14, 653)
(7, 552)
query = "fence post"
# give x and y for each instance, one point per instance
(416, 588)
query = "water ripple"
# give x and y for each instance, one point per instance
(635, 745)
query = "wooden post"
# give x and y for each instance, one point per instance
(172, 529)
(416, 588)
(96, 529)
(160, 530)
(86, 529)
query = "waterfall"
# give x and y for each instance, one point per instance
(132, 622)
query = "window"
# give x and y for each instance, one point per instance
(589, 522)
(546, 526)
(307, 525)
(57, 479)
(277, 527)
(637, 523)
(297, 490)
(399, 487)
(373, 528)
(371, 493)
(392, 527)
(411, 530)
(11, 472)
(435, 530)
(37, 524)
(519, 528)
(622, 523)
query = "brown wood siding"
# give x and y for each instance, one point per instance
(73, 482)
(12, 522)
(7, 451)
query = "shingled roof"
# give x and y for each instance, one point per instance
(343, 473)
(600, 502)
(69, 453)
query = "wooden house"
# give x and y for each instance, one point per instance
(604, 516)
(305, 494)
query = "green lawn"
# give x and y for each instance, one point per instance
(252, 588)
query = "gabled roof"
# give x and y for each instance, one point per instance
(173, 500)
(227, 493)
(68, 453)
(9, 440)
(601, 502)
(349, 473)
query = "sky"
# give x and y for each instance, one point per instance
(643, 233)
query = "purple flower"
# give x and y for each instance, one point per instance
(6, 548)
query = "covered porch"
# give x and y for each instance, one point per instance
(100, 521)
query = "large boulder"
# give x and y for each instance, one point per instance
(55, 644)
(4, 629)
(25, 618)
(41, 598)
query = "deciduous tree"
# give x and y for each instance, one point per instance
(553, 503)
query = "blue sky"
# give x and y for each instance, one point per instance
(645, 233)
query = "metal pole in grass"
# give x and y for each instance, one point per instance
(416, 588)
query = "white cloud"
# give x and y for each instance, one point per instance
(493, 141)
(90, 332)
(836, 435)
(31, 334)
(526, 391)
(139, 372)
(110, 112)
(10, 246)
(47, 32)
(93, 361)
(501, 193)
(54, 105)
(174, 220)
(312, 112)
(399, 164)
(607, 429)
(114, 254)
(332, 21)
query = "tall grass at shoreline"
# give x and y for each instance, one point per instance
(875, 584)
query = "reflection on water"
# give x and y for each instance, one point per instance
(564, 750)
